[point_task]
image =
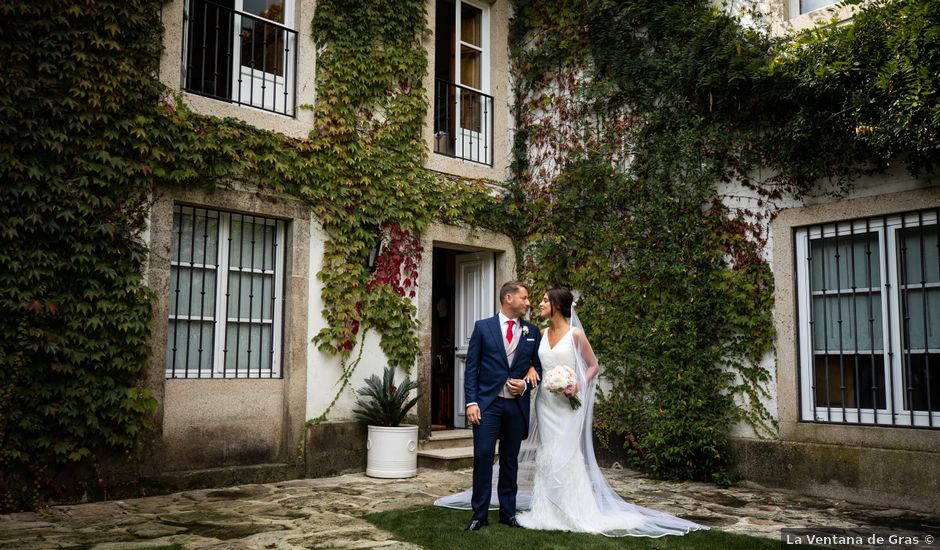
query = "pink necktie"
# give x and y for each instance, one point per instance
(509, 331)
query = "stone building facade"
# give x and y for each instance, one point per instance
(858, 418)
(235, 392)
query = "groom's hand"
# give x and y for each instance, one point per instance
(473, 414)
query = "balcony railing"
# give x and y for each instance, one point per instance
(238, 57)
(463, 122)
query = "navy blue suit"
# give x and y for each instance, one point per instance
(505, 420)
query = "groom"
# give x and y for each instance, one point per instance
(501, 350)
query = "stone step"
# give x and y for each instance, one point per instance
(446, 439)
(447, 450)
(453, 458)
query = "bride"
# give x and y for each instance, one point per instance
(560, 484)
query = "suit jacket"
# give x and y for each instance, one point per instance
(488, 369)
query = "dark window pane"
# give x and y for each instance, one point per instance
(918, 367)
(471, 111)
(210, 35)
(444, 41)
(471, 25)
(262, 47)
(863, 378)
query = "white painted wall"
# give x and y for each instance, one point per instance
(324, 370)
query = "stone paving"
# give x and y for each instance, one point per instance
(327, 512)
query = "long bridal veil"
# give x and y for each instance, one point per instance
(616, 516)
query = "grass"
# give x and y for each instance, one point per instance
(432, 527)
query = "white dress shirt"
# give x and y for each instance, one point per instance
(504, 323)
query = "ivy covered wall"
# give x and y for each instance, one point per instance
(76, 175)
(633, 119)
(89, 134)
(628, 114)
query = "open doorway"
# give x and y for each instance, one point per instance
(463, 292)
(443, 292)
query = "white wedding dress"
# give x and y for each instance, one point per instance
(564, 495)
(561, 487)
(562, 499)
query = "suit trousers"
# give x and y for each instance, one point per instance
(503, 421)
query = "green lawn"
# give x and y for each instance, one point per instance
(433, 527)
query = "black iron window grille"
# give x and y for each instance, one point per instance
(240, 57)
(463, 122)
(226, 295)
(869, 321)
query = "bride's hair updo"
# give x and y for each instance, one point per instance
(560, 299)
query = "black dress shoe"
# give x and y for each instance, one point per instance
(511, 522)
(476, 525)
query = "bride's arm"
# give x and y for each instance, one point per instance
(533, 377)
(584, 348)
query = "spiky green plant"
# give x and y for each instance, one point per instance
(382, 403)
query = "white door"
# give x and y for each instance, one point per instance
(475, 300)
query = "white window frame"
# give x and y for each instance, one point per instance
(795, 7)
(242, 80)
(465, 136)
(248, 81)
(893, 414)
(484, 47)
(220, 318)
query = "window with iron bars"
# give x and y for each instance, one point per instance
(868, 296)
(226, 295)
(463, 113)
(241, 51)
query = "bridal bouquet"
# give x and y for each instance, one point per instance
(557, 379)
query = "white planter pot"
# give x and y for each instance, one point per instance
(393, 452)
